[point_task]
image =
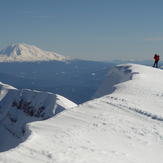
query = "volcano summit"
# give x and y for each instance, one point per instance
(22, 52)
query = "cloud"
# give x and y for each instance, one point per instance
(154, 39)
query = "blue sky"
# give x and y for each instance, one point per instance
(88, 29)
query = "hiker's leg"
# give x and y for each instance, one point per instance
(154, 64)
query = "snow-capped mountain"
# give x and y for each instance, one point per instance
(21, 52)
(123, 126)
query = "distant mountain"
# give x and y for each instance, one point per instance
(21, 52)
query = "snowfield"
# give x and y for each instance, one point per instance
(143, 91)
(123, 125)
(19, 107)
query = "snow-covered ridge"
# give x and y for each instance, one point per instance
(135, 87)
(22, 52)
(106, 129)
(19, 107)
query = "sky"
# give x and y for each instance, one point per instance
(88, 29)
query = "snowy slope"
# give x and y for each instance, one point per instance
(18, 107)
(23, 52)
(116, 128)
(142, 93)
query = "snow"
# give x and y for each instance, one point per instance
(19, 107)
(124, 125)
(4, 90)
(143, 93)
(22, 52)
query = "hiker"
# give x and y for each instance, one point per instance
(156, 58)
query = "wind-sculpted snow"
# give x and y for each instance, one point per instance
(19, 107)
(124, 126)
(124, 105)
(116, 75)
(93, 132)
(137, 88)
(4, 88)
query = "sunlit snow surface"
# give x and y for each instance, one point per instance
(124, 126)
